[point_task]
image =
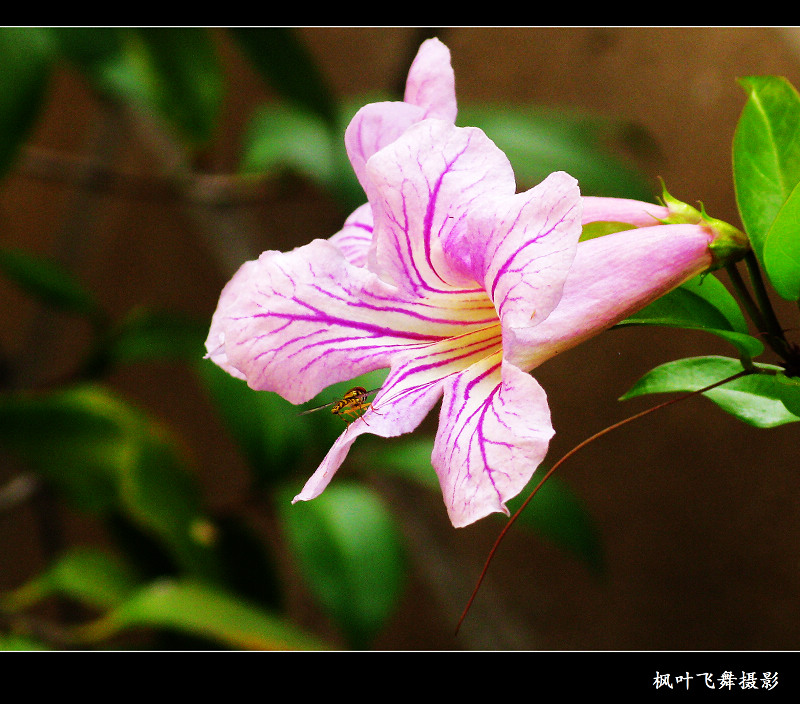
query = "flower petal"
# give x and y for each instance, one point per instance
(374, 127)
(627, 210)
(425, 185)
(611, 277)
(410, 391)
(299, 321)
(494, 430)
(355, 237)
(522, 247)
(431, 81)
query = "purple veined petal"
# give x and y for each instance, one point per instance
(410, 391)
(431, 81)
(611, 278)
(627, 210)
(426, 183)
(494, 430)
(374, 127)
(521, 248)
(355, 237)
(299, 321)
(216, 342)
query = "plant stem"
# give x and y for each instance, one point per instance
(743, 294)
(773, 332)
(579, 446)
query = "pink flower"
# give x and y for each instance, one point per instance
(457, 284)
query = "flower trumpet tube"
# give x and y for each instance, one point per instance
(457, 284)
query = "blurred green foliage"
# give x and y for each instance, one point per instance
(176, 568)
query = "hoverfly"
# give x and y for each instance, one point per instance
(353, 403)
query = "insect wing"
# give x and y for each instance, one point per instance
(354, 398)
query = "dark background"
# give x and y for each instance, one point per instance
(697, 511)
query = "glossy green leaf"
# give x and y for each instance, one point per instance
(754, 399)
(105, 456)
(86, 575)
(539, 141)
(349, 550)
(203, 610)
(701, 304)
(766, 154)
(48, 282)
(280, 56)
(789, 390)
(26, 59)
(782, 248)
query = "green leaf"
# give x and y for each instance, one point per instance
(283, 137)
(105, 456)
(766, 154)
(267, 428)
(349, 550)
(782, 248)
(204, 610)
(286, 64)
(183, 78)
(26, 59)
(146, 335)
(86, 575)
(701, 304)
(49, 282)
(19, 642)
(754, 399)
(789, 389)
(539, 141)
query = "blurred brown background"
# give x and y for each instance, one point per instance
(698, 512)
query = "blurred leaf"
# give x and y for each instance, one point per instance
(184, 78)
(701, 304)
(409, 459)
(754, 399)
(26, 59)
(283, 137)
(558, 515)
(249, 569)
(87, 575)
(100, 53)
(286, 64)
(555, 514)
(766, 154)
(19, 642)
(349, 550)
(174, 71)
(103, 455)
(203, 610)
(600, 228)
(267, 428)
(146, 335)
(48, 281)
(782, 248)
(539, 141)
